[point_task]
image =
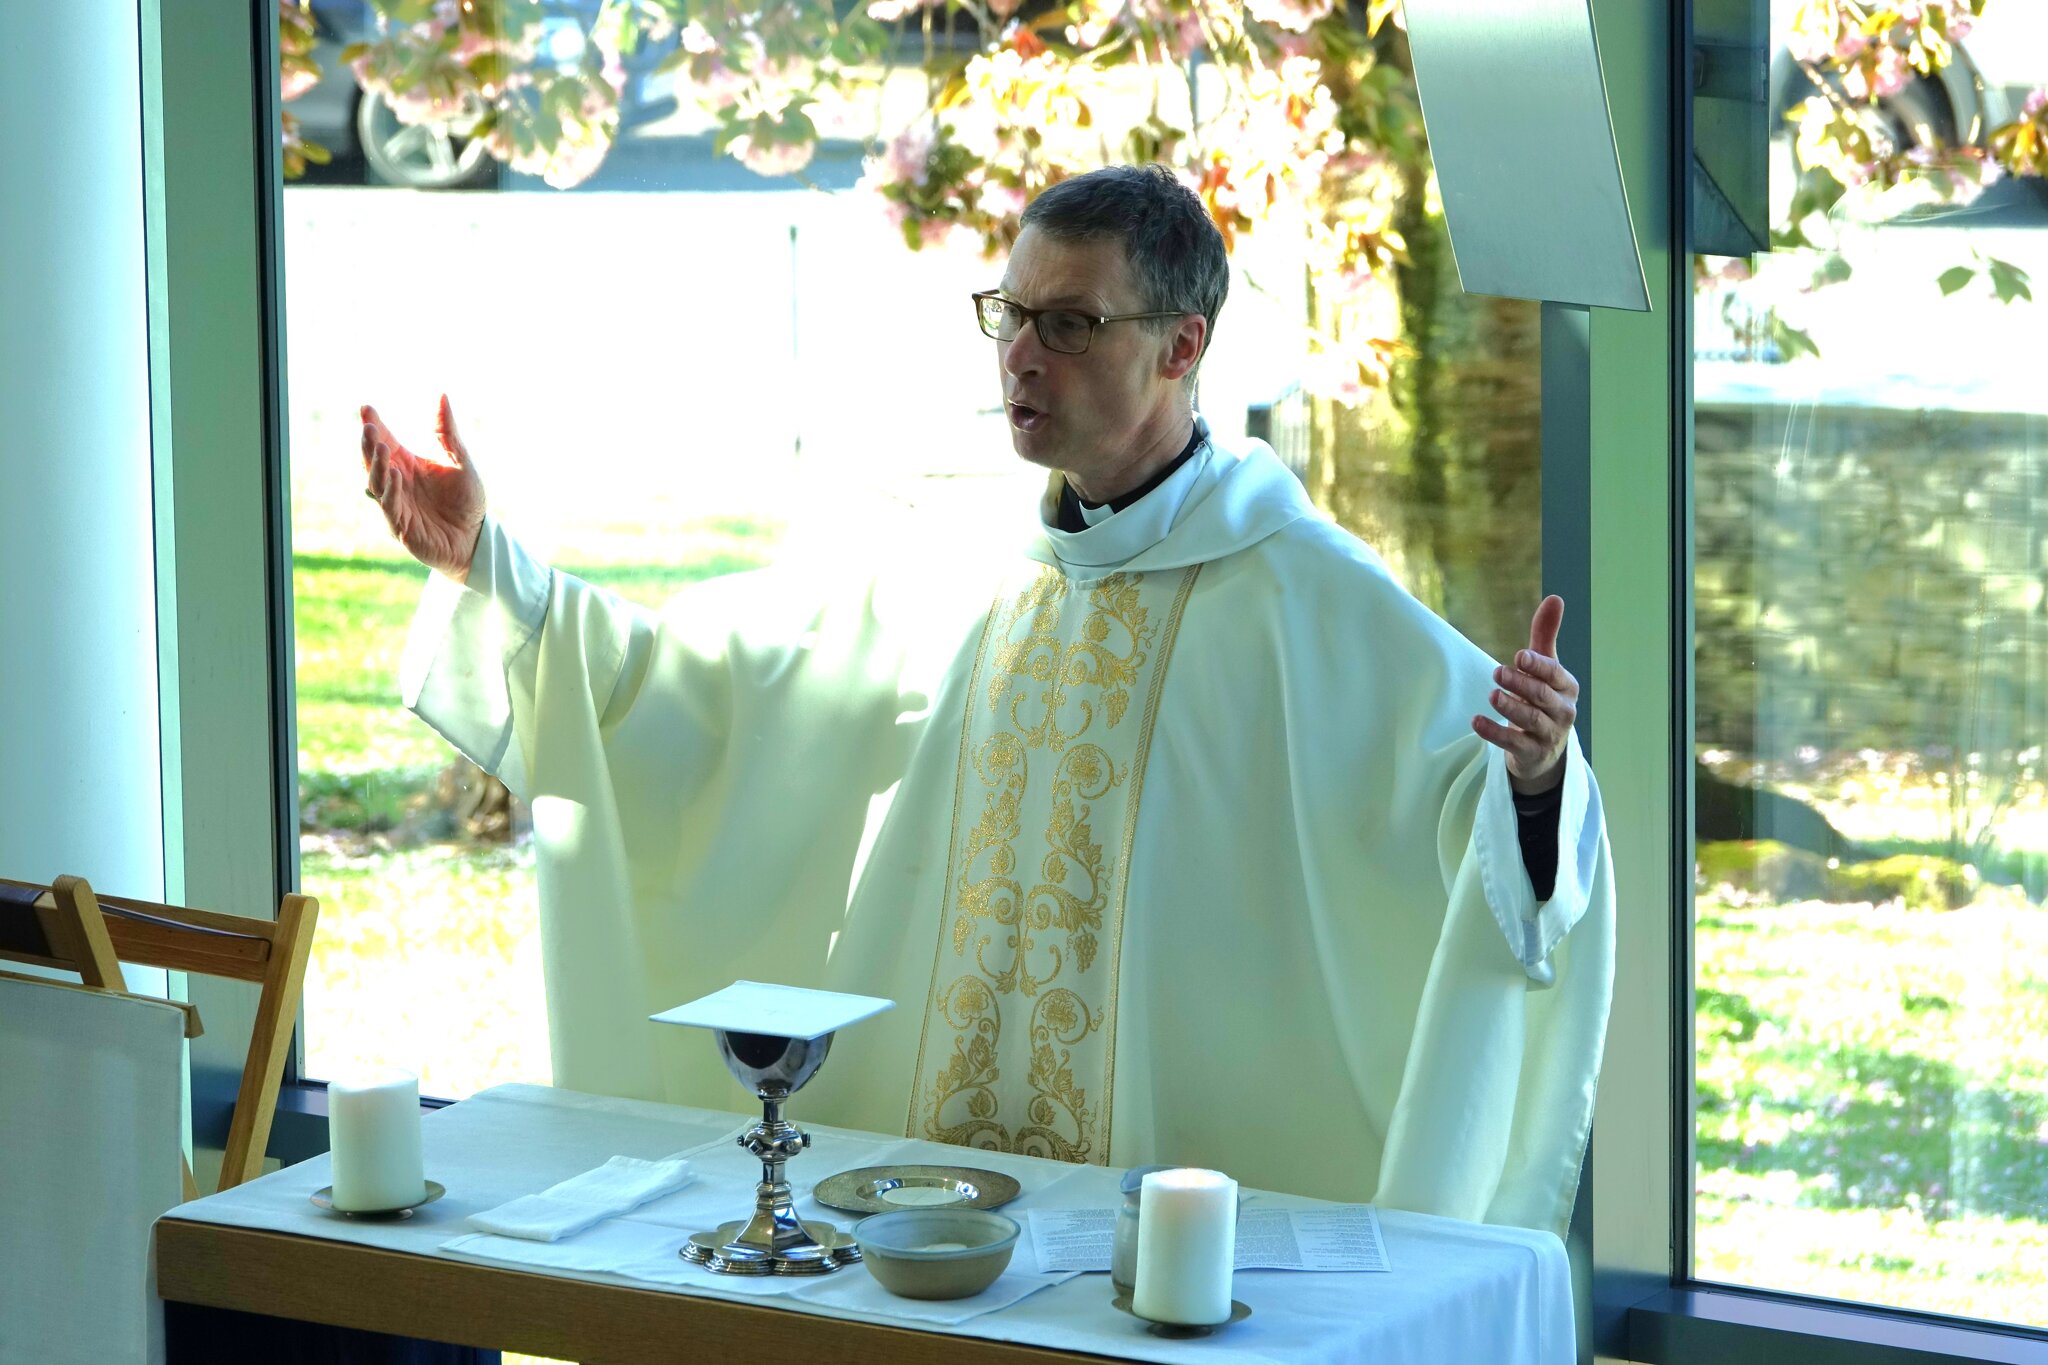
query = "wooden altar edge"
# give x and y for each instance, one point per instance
(344, 1284)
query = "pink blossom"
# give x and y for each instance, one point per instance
(1296, 16)
(697, 40)
(472, 43)
(714, 84)
(1096, 20)
(1971, 176)
(1805, 46)
(296, 83)
(1356, 161)
(1000, 201)
(1893, 71)
(1293, 44)
(1352, 283)
(1812, 38)
(1183, 28)
(1330, 374)
(910, 153)
(772, 158)
(1851, 46)
(568, 164)
(2036, 102)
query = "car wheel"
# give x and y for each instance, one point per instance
(423, 156)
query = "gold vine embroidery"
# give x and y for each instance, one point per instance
(1023, 940)
(1061, 1123)
(1115, 638)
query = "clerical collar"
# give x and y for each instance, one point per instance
(1076, 514)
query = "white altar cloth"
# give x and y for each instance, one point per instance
(1458, 1291)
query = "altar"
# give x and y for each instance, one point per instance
(1455, 1290)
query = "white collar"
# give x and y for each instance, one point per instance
(1113, 538)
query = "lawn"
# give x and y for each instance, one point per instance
(1872, 1102)
(406, 910)
(350, 619)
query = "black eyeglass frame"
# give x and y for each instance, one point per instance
(1034, 316)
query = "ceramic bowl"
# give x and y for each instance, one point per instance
(936, 1253)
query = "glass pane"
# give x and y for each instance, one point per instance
(676, 368)
(1871, 692)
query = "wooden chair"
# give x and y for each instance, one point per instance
(66, 926)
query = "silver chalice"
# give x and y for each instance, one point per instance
(774, 1241)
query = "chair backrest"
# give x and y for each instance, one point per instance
(66, 926)
(89, 1160)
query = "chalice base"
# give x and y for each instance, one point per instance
(719, 1250)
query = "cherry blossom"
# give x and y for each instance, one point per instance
(1307, 123)
(1296, 16)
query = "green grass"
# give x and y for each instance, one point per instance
(402, 921)
(2022, 867)
(427, 959)
(1871, 1107)
(350, 622)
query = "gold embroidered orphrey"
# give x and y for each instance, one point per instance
(1024, 977)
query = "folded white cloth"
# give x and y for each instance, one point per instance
(583, 1201)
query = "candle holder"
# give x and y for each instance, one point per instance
(430, 1191)
(1180, 1331)
(774, 1241)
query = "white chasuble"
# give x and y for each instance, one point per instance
(1061, 698)
(1170, 838)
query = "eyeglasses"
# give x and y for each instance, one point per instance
(1061, 329)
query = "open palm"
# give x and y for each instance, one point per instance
(434, 507)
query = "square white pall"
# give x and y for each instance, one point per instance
(779, 1011)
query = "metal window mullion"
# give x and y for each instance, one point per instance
(1632, 359)
(213, 431)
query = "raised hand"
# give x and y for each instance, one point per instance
(434, 507)
(1541, 697)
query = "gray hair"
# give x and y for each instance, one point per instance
(1171, 244)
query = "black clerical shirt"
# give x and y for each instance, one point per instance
(1535, 816)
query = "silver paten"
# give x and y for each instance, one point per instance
(884, 1189)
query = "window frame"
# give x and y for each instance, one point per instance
(1616, 529)
(1648, 1305)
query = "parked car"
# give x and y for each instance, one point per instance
(1996, 66)
(370, 145)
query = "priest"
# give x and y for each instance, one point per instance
(1178, 829)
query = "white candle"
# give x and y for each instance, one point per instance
(373, 1132)
(1187, 1246)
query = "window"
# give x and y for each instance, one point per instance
(680, 368)
(1870, 689)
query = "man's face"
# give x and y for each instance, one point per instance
(1087, 414)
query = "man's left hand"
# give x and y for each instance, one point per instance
(1541, 698)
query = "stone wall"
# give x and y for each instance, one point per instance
(1870, 578)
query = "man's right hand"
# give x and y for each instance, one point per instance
(435, 508)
